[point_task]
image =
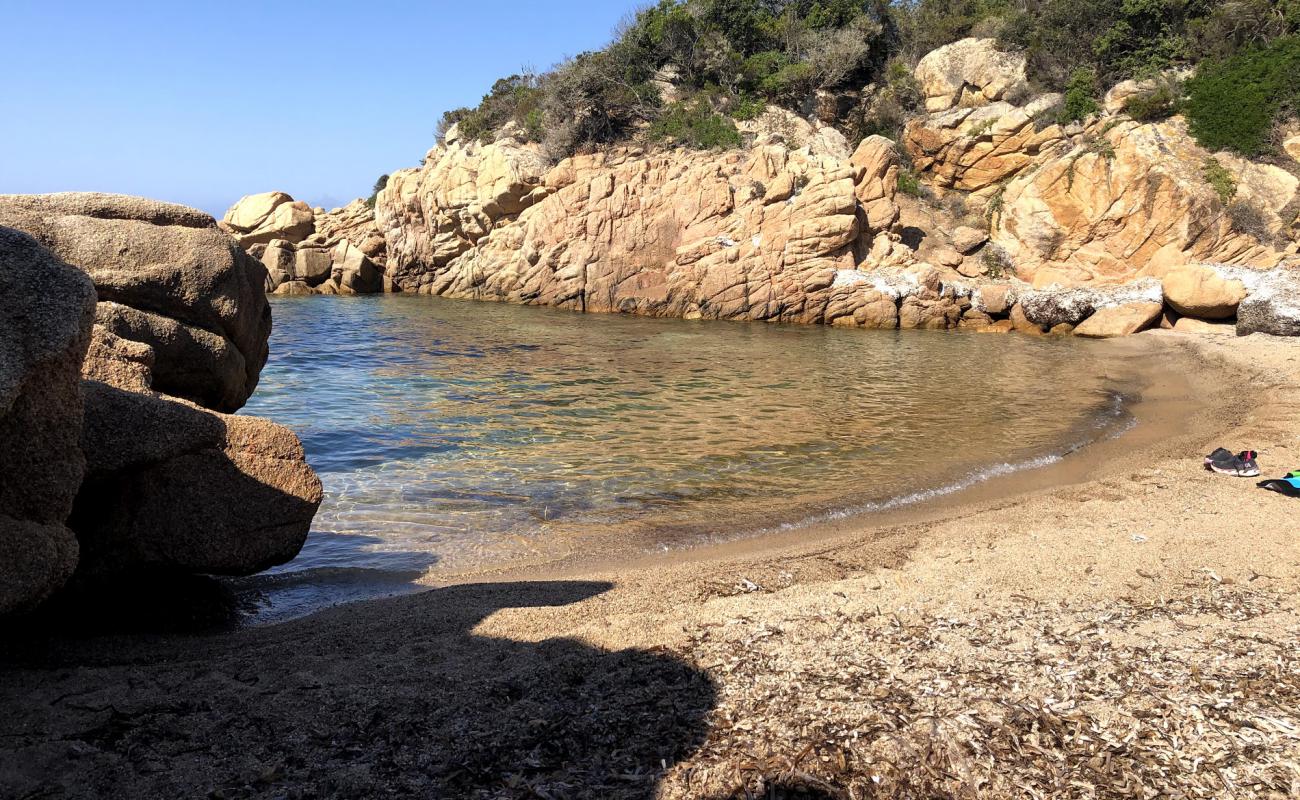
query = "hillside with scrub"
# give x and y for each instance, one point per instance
(686, 71)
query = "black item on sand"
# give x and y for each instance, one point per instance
(1286, 486)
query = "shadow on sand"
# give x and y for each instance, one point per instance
(396, 697)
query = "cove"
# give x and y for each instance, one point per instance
(455, 436)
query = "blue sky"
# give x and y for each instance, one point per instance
(203, 101)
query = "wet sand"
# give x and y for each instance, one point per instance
(1118, 624)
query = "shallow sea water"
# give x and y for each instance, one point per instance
(453, 436)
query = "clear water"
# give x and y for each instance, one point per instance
(453, 436)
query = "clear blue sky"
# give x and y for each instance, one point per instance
(203, 101)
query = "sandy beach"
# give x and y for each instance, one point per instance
(1123, 624)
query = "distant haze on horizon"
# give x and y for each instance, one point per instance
(202, 103)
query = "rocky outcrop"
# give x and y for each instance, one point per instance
(46, 310)
(167, 277)
(438, 212)
(976, 149)
(259, 218)
(340, 269)
(793, 227)
(968, 73)
(340, 252)
(778, 125)
(1122, 200)
(354, 223)
(767, 233)
(100, 472)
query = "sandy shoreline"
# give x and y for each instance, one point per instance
(1120, 623)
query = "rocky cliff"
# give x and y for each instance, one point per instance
(797, 227)
(763, 234)
(127, 327)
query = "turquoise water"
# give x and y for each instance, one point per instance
(455, 436)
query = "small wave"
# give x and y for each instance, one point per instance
(280, 597)
(1106, 423)
(1111, 423)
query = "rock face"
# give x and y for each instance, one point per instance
(1124, 200)
(763, 234)
(46, 310)
(259, 218)
(778, 125)
(976, 149)
(166, 277)
(431, 215)
(969, 72)
(354, 223)
(100, 474)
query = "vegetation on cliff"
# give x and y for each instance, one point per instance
(682, 71)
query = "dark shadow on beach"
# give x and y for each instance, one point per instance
(394, 697)
(168, 602)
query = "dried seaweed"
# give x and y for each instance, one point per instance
(1174, 699)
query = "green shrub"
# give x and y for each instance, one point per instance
(747, 107)
(380, 183)
(1157, 103)
(695, 124)
(1232, 104)
(997, 261)
(1218, 176)
(908, 183)
(1080, 97)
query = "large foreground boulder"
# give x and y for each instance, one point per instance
(46, 309)
(101, 475)
(166, 277)
(173, 486)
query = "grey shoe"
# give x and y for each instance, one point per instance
(1241, 465)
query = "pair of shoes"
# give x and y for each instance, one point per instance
(1289, 486)
(1241, 465)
